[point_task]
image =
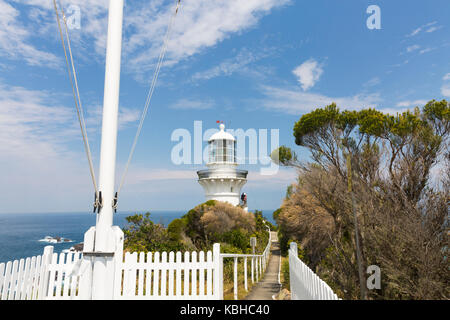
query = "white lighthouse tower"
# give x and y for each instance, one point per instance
(222, 180)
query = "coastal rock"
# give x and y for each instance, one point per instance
(50, 239)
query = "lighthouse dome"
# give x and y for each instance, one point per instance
(222, 135)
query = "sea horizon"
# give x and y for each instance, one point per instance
(22, 234)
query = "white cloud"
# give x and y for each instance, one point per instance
(189, 104)
(445, 90)
(426, 50)
(414, 103)
(239, 63)
(41, 151)
(372, 82)
(15, 40)
(200, 24)
(412, 48)
(283, 177)
(433, 29)
(308, 73)
(421, 28)
(292, 101)
(126, 117)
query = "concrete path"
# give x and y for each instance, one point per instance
(269, 286)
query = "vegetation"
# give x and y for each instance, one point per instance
(208, 223)
(399, 191)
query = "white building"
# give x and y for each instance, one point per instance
(222, 180)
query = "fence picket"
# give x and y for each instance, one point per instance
(171, 272)
(140, 274)
(164, 274)
(25, 279)
(194, 274)
(156, 275)
(20, 280)
(35, 264)
(132, 274)
(74, 278)
(178, 274)
(148, 274)
(201, 273)
(186, 274)
(12, 283)
(6, 280)
(2, 277)
(209, 274)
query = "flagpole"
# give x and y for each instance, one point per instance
(104, 244)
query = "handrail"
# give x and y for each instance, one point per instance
(206, 173)
(258, 264)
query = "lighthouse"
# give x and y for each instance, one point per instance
(222, 180)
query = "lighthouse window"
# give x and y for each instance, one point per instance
(219, 151)
(230, 151)
(212, 152)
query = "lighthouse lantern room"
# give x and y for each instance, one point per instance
(222, 180)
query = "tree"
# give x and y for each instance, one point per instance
(401, 208)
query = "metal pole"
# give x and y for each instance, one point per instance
(101, 281)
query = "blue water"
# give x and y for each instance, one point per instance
(20, 232)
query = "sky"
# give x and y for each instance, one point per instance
(254, 64)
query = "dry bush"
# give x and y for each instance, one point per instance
(225, 217)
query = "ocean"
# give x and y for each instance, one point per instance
(20, 232)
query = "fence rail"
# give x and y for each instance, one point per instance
(258, 266)
(305, 284)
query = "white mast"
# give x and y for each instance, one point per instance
(104, 232)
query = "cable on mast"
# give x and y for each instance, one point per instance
(149, 97)
(76, 95)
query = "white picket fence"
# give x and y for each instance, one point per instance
(188, 276)
(305, 284)
(137, 276)
(25, 279)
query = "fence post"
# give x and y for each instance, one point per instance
(293, 253)
(253, 267)
(218, 272)
(245, 274)
(260, 266)
(235, 278)
(44, 273)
